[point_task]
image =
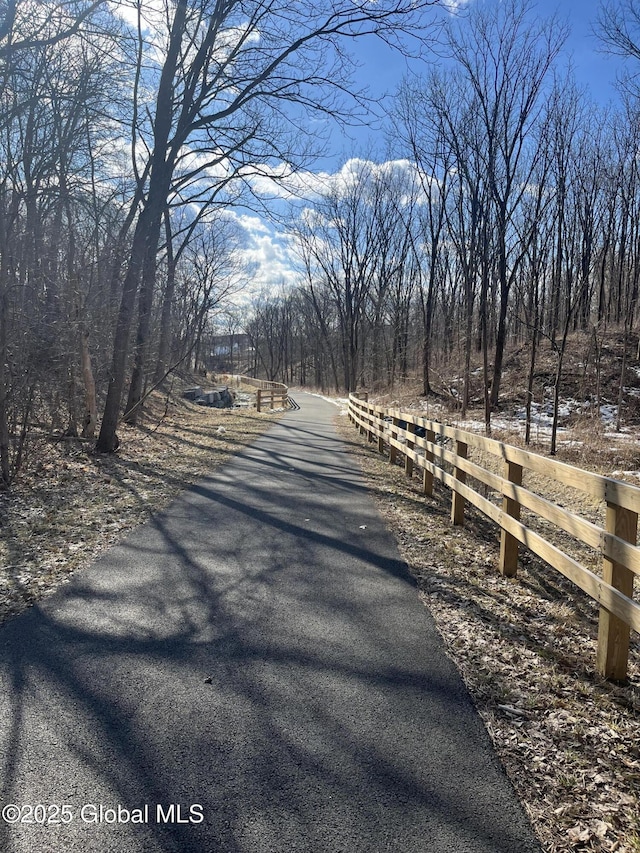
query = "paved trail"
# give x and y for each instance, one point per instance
(258, 657)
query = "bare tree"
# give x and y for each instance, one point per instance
(52, 81)
(269, 330)
(466, 210)
(535, 231)
(505, 57)
(340, 245)
(25, 26)
(618, 26)
(234, 82)
(425, 132)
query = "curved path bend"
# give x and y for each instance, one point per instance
(249, 672)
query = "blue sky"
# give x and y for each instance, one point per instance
(593, 69)
(382, 69)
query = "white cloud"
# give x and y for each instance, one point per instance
(454, 6)
(281, 183)
(251, 224)
(270, 252)
(152, 14)
(268, 255)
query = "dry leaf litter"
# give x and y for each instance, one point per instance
(525, 647)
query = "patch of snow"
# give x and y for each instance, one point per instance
(542, 414)
(337, 401)
(608, 413)
(543, 428)
(430, 409)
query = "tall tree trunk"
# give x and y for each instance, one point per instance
(145, 306)
(72, 422)
(501, 336)
(501, 339)
(7, 218)
(5, 468)
(427, 312)
(485, 374)
(468, 343)
(167, 305)
(90, 420)
(145, 241)
(532, 367)
(107, 439)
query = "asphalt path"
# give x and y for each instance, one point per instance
(250, 671)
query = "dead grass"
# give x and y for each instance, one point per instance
(526, 650)
(73, 504)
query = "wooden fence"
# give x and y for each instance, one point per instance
(442, 453)
(275, 394)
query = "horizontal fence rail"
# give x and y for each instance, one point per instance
(273, 394)
(262, 384)
(442, 453)
(276, 399)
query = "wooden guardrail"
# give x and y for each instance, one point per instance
(425, 443)
(275, 394)
(274, 398)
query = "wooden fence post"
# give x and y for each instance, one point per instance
(356, 408)
(371, 435)
(393, 451)
(362, 398)
(509, 543)
(258, 400)
(427, 476)
(613, 633)
(457, 501)
(408, 461)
